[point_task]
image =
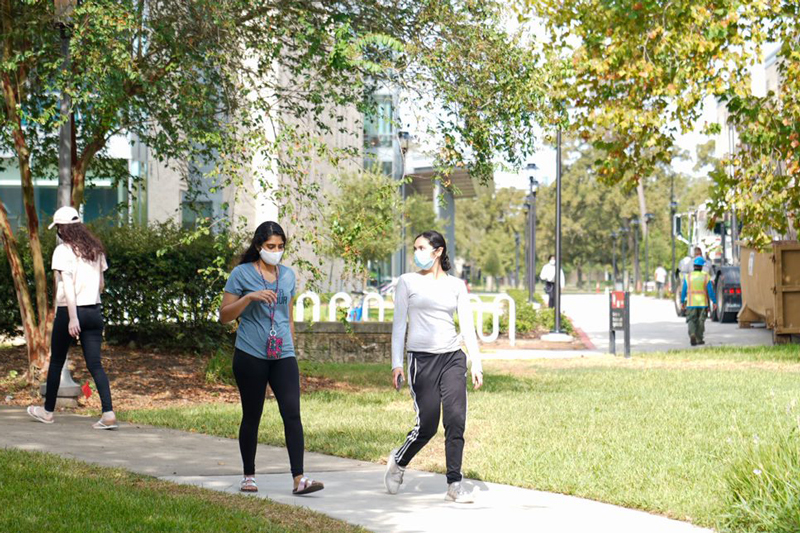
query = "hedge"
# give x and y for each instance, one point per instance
(162, 287)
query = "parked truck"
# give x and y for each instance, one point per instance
(692, 229)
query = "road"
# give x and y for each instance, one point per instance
(654, 325)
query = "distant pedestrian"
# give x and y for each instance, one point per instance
(79, 262)
(696, 293)
(548, 275)
(437, 367)
(260, 293)
(661, 280)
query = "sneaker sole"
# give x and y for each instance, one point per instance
(449, 498)
(389, 462)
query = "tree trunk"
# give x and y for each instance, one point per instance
(35, 321)
(37, 335)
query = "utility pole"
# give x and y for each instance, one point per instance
(531, 255)
(516, 257)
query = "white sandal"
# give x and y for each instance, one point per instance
(111, 424)
(248, 484)
(38, 413)
(307, 486)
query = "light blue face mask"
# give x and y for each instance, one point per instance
(423, 259)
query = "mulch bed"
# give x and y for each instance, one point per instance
(140, 379)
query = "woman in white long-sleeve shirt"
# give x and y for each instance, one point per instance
(437, 367)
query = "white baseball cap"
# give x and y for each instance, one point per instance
(65, 215)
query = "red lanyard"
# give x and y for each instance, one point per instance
(266, 288)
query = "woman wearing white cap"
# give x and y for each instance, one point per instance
(78, 262)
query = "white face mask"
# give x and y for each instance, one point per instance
(423, 259)
(271, 258)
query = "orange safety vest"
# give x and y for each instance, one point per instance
(697, 295)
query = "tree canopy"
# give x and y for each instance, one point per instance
(637, 75)
(243, 88)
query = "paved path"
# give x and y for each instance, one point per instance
(654, 325)
(354, 489)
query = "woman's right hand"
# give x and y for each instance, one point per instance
(74, 327)
(397, 372)
(266, 296)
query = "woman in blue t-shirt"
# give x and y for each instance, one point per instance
(260, 293)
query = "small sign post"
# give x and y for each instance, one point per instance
(619, 318)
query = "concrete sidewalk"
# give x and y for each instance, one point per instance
(354, 489)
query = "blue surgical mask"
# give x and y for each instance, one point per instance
(423, 259)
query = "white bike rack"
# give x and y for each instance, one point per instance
(512, 315)
(479, 307)
(495, 308)
(299, 313)
(381, 306)
(333, 305)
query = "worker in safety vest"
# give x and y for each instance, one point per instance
(696, 293)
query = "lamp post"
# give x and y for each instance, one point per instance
(636, 269)
(648, 218)
(557, 285)
(673, 208)
(531, 205)
(403, 141)
(614, 236)
(63, 8)
(516, 258)
(623, 232)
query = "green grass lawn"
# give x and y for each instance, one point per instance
(41, 492)
(652, 432)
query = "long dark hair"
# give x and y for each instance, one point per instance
(437, 241)
(82, 241)
(262, 235)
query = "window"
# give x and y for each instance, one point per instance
(378, 125)
(193, 211)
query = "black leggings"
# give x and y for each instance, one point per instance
(90, 318)
(252, 375)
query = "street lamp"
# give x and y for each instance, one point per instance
(516, 258)
(637, 279)
(530, 203)
(623, 232)
(557, 287)
(648, 218)
(673, 208)
(404, 142)
(614, 236)
(63, 9)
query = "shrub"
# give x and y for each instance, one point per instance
(162, 287)
(763, 483)
(520, 296)
(219, 368)
(10, 320)
(530, 321)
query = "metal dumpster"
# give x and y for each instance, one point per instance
(771, 289)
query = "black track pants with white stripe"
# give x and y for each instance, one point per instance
(438, 384)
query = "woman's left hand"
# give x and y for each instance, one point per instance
(477, 379)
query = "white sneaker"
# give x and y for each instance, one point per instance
(458, 494)
(394, 474)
